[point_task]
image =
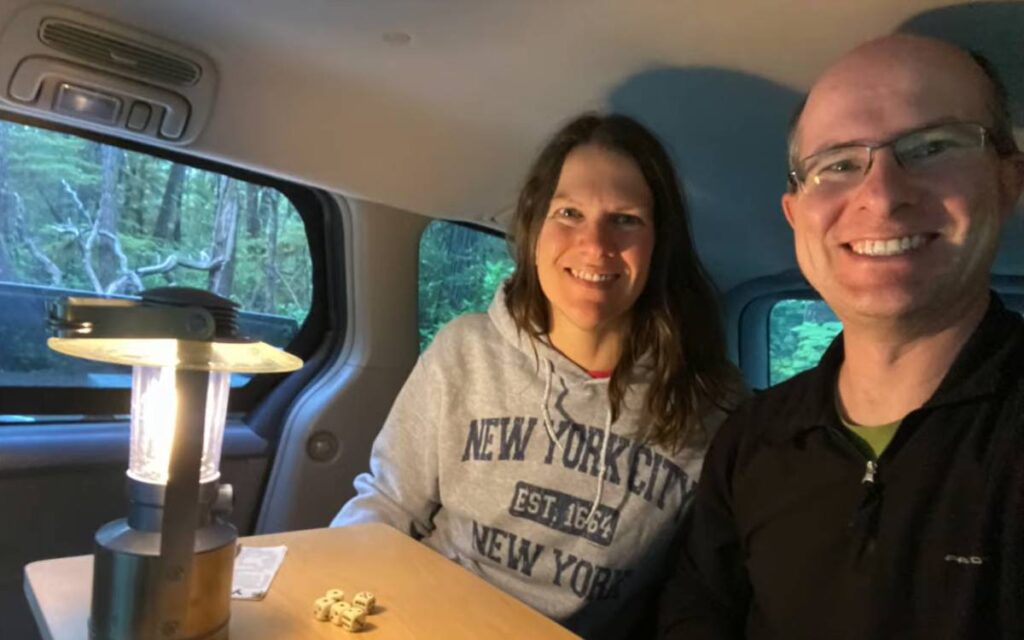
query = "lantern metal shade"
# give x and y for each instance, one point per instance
(171, 327)
(192, 355)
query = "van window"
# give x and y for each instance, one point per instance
(81, 217)
(460, 268)
(799, 331)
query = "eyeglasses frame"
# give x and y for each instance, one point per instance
(988, 139)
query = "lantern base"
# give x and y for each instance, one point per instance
(126, 573)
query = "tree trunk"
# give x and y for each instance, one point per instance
(7, 271)
(225, 230)
(168, 220)
(133, 199)
(270, 267)
(253, 204)
(107, 268)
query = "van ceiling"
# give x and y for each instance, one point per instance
(437, 106)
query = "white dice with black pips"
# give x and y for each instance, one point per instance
(322, 608)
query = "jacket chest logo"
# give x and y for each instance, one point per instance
(965, 560)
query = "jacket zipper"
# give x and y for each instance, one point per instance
(871, 466)
(865, 518)
(869, 472)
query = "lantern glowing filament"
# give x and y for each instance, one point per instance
(153, 418)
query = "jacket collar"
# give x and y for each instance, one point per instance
(991, 358)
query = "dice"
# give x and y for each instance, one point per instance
(338, 610)
(335, 594)
(351, 618)
(322, 608)
(366, 600)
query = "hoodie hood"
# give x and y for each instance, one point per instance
(565, 368)
(571, 373)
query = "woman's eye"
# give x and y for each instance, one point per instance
(568, 213)
(627, 220)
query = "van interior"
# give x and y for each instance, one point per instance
(345, 171)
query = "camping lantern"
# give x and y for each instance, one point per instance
(165, 571)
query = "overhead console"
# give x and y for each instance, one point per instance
(65, 65)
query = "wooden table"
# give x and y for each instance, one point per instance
(421, 594)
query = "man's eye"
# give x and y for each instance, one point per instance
(836, 169)
(846, 165)
(928, 149)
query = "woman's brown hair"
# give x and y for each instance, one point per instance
(675, 325)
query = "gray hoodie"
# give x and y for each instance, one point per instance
(491, 455)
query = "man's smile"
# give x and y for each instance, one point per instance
(888, 247)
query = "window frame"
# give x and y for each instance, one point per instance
(314, 207)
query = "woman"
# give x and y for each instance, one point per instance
(549, 445)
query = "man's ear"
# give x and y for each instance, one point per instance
(788, 202)
(1011, 182)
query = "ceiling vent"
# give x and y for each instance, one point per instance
(65, 65)
(116, 53)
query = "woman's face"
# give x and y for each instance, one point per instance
(594, 248)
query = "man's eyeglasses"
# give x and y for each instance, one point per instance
(923, 151)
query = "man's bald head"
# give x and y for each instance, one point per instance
(905, 58)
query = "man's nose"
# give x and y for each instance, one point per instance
(887, 186)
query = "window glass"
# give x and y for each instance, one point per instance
(799, 331)
(460, 269)
(79, 217)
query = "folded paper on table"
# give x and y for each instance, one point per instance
(255, 568)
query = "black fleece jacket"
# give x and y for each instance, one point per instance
(793, 536)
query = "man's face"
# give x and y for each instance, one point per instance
(898, 245)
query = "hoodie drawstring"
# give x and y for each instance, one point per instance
(544, 406)
(604, 468)
(549, 427)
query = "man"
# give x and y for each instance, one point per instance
(881, 494)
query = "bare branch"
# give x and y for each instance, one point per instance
(115, 243)
(69, 230)
(87, 258)
(118, 285)
(79, 206)
(287, 287)
(167, 265)
(173, 262)
(125, 274)
(56, 275)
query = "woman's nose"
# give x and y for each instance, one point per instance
(597, 238)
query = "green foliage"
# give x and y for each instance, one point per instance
(799, 331)
(50, 242)
(460, 269)
(50, 187)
